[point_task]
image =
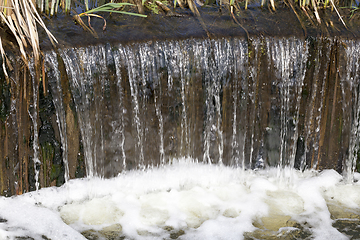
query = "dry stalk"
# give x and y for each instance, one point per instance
(22, 18)
(2, 52)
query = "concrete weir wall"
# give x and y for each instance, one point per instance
(247, 101)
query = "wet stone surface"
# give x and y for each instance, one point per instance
(278, 227)
(99, 235)
(346, 220)
(253, 22)
(350, 227)
(176, 234)
(268, 229)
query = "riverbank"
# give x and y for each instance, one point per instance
(253, 22)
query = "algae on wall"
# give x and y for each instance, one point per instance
(16, 129)
(18, 171)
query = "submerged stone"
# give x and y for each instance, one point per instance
(176, 234)
(286, 233)
(274, 222)
(339, 211)
(350, 227)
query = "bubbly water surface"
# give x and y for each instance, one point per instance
(187, 200)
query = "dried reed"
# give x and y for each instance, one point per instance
(22, 18)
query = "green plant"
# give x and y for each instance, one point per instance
(151, 5)
(353, 10)
(112, 8)
(108, 7)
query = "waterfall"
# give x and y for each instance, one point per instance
(120, 126)
(251, 104)
(184, 139)
(289, 59)
(350, 81)
(55, 84)
(33, 113)
(86, 68)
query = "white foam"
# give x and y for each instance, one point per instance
(204, 201)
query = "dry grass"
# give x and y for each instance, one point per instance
(22, 19)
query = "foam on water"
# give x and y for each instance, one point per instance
(192, 200)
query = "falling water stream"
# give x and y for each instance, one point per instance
(200, 139)
(33, 113)
(200, 98)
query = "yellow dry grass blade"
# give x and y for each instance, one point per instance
(41, 23)
(316, 11)
(193, 8)
(272, 3)
(19, 22)
(81, 23)
(4, 6)
(337, 12)
(22, 21)
(31, 28)
(2, 52)
(8, 21)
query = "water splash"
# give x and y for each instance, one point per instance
(134, 77)
(351, 80)
(289, 57)
(215, 69)
(252, 95)
(314, 110)
(228, 101)
(86, 68)
(33, 113)
(55, 84)
(121, 127)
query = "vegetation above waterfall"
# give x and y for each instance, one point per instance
(22, 17)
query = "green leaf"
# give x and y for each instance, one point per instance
(123, 12)
(107, 7)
